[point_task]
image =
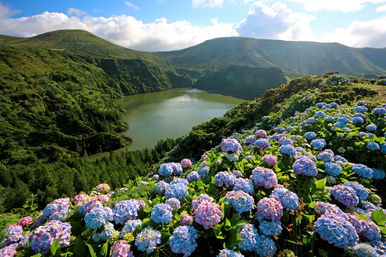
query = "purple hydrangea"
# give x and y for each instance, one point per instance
(310, 135)
(269, 208)
(379, 110)
(97, 217)
(104, 235)
(270, 160)
(200, 199)
(332, 169)
(58, 209)
(305, 166)
(244, 184)
(328, 208)
(262, 143)
(176, 190)
(8, 251)
(345, 195)
(160, 187)
(173, 202)
(229, 253)
(121, 249)
(287, 149)
(230, 145)
(373, 146)
(193, 176)
(360, 190)
(186, 163)
(14, 236)
(162, 213)
(270, 228)
(318, 144)
(224, 179)
(148, 239)
(88, 205)
(250, 237)
(237, 173)
(326, 156)
(250, 140)
(264, 177)
(183, 240)
(43, 237)
(289, 200)
(126, 210)
(207, 214)
(371, 127)
(369, 230)
(362, 170)
(130, 227)
(186, 219)
(336, 231)
(240, 201)
(285, 141)
(261, 133)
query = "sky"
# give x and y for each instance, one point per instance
(163, 25)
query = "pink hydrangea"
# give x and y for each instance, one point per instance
(264, 177)
(208, 214)
(200, 199)
(270, 160)
(261, 133)
(186, 219)
(269, 209)
(186, 163)
(121, 249)
(25, 221)
(79, 199)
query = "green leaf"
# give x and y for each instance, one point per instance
(361, 216)
(91, 250)
(378, 217)
(320, 184)
(79, 247)
(218, 232)
(383, 230)
(104, 249)
(54, 247)
(37, 255)
(312, 204)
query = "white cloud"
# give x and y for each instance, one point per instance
(5, 11)
(207, 3)
(370, 33)
(74, 11)
(381, 8)
(131, 5)
(337, 5)
(275, 22)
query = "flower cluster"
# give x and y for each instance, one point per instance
(224, 179)
(240, 201)
(305, 166)
(121, 249)
(126, 210)
(102, 188)
(58, 209)
(161, 213)
(264, 177)
(346, 195)
(130, 227)
(270, 160)
(98, 216)
(318, 144)
(186, 163)
(244, 184)
(262, 143)
(207, 214)
(269, 208)
(176, 190)
(183, 240)
(148, 239)
(230, 145)
(289, 200)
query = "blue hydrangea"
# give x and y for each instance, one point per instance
(326, 156)
(336, 231)
(230, 145)
(343, 119)
(166, 169)
(370, 231)
(180, 180)
(279, 129)
(332, 105)
(318, 144)
(332, 169)
(130, 227)
(224, 179)
(363, 250)
(229, 253)
(270, 228)
(250, 140)
(177, 190)
(305, 166)
(285, 141)
(262, 143)
(371, 127)
(147, 240)
(59, 209)
(266, 247)
(320, 104)
(383, 148)
(203, 171)
(160, 187)
(300, 149)
(362, 102)
(250, 237)
(379, 110)
(360, 190)
(177, 168)
(161, 213)
(183, 240)
(339, 158)
(360, 115)
(320, 114)
(345, 195)
(357, 120)
(97, 217)
(264, 177)
(244, 184)
(329, 119)
(339, 124)
(289, 200)
(105, 234)
(288, 149)
(378, 174)
(310, 135)
(310, 120)
(361, 109)
(362, 170)
(193, 176)
(126, 210)
(173, 202)
(372, 146)
(240, 201)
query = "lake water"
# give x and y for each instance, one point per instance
(170, 114)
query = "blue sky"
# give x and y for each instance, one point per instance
(158, 25)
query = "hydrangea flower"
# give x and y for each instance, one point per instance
(224, 179)
(88, 205)
(289, 200)
(97, 217)
(310, 135)
(261, 133)
(331, 209)
(79, 199)
(362, 170)
(270, 209)
(192, 176)
(360, 190)
(362, 250)
(339, 158)
(186, 163)
(326, 156)
(250, 140)
(173, 202)
(176, 190)
(285, 141)
(345, 195)
(121, 249)
(318, 144)
(264, 177)
(250, 237)
(329, 119)
(288, 149)
(371, 127)
(229, 253)
(270, 228)
(148, 239)
(361, 109)
(207, 214)
(160, 187)
(383, 148)
(183, 240)
(8, 251)
(59, 209)
(378, 174)
(332, 169)
(305, 166)
(43, 237)
(201, 198)
(319, 114)
(127, 210)
(336, 231)
(266, 247)
(161, 213)
(369, 230)
(270, 160)
(237, 173)
(165, 169)
(107, 232)
(203, 171)
(240, 201)
(130, 227)
(25, 221)
(13, 236)
(230, 145)
(244, 184)
(186, 219)
(379, 110)
(373, 146)
(262, 143)
(357, 120)
(180, 180)
(102, 188)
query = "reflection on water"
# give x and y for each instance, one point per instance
(170, 114)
